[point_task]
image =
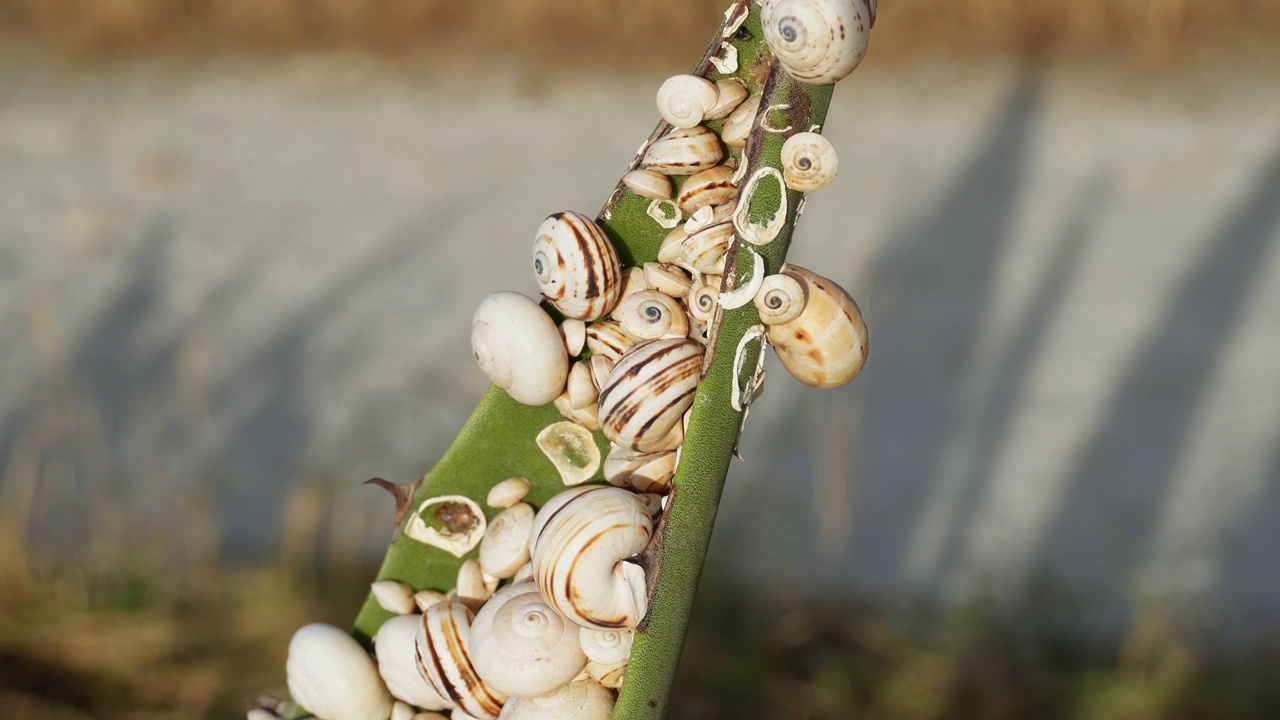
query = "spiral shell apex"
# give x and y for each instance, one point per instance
(809, 162)
(649, 314)
(522, 647)
(518, 346)
(780, 299)
(576, 266)
(817, 41)
(683, 100)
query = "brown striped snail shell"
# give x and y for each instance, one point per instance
(608, 339)
(683, 100)
(683, 151)
(648, 390)
(521, 645)
(518, 346)
(646, 472)
(576, 266)
(703, 251)
(825, 346)
(729, 95)
(713, 186)
(444, 660)
(649, 314)
(818, 42)
(581, 542)
(648, 183)
(601, 366)
(780, 299)
(809, 162)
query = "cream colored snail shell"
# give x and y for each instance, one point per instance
(394, 646)
(702, 299)
(648, 390)
(648, 183)
(522, 647)
(809, 162)
(586, 417)
(780, 299)
(818, 42)
(825, 346)
(606, 646)
(442, 647)
(508, 492)
(649, 314)
(667, 279)
(704, 250)
(683, 100)
(505, 546)
(708, 187)
(579, 700)
(729, 95)
(576, 266)
(582, 391)
(737, 126)
(683, 151)
(519, 347)
(581, 546)
(331, 675)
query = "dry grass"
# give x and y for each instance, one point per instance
(616, 32)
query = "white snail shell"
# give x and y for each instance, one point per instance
(709, 187)
(817, 41)
(582, 391)
(683, 100)
(667, 279)
(394, 597)
(825, 346)
(601, 366)
(737, 126)
(522, 647)
(508, 492)
(580, 549)
(505, 546)
(779, 299)
(471, 588)
(649, 314)
(633, 281)
(608, 339)
(702, 299)
(586, 417)
(648, 390)
(648, 183)
(809, 162)
(579, 700)
(646, 472)
(683, 151)
(394, 646)
(606, 646)
(574, 333)
(729, 95)
(426, 598)
(331, 675)
(576, 266)
(442, 647)
(518, 346)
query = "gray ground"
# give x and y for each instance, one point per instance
(259, 273)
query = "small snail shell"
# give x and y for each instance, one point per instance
(606, 646)
(667, 279)
(737, 126)
(609, 675)
(709, 187)
(471, 590)
(331, 675)
(586, 417)
(825, 346)
(525, 573)
(702, 300)
(683, 100)
(576, 266)
(649, 314)
(730, 94)
(394, 646)
(574, 333)
(649, 389)
(669, 251)
(646, 472)
(394, 597)
(505, 546)
(442, 647)
(683, 151)
(426, 598)
(817, 41)
(607, 339)
(809, 162)
(601, 366)
(648, 183)
(522, 647)
(779, 299)
(704, 250)
(401, 711)
(580, 548)
(579, 700)
(582, 392)
(518, 346)
(508, 492)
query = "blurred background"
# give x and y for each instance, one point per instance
(240, 241)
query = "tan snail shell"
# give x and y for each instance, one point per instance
(601, 366)
(579, 700)
(703, 251)
(779, 299)
(576, 266)
(683, 100)
(729, 95)
(586, 417)
(649, 314)
(817, 41)
(648, 183)
(471, 588)
(394, 646)
(508, 492)
(809, 162)
(825, 346)
(393, 596)
(574, 333)
(646, 472)
(683, 151)
(522, 647)
(648, 390)
(702, 299)
(444, 660)
(582, 391)
(608, 339)
(505, 546)
(667, 279)
(669, 250)
(737, 126)
(518, 346)
(633, 280)
(709, 187)
(331, 675)
(581, 542)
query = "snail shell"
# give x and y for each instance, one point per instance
(601, 366)
(576, 266)
(394, 646)
(809, 162)
(683, 100)
(667, 279)
(394, 597)
(729, 94)
(456, 524)
(646, 472)
(737, 126)
(648, 183)
(471, 588)
(683, 151)
(709, 187)
(505, 546)
(817, 41)
(609, 675)
(582, 391)
(580, 547)
(779, 299)
(608, 339)
(444, 660)
(519, 347)
(522, 647)
(586, 417)
(426, 598)
(648, 390)
(825, 346)
(579, 700)
(649, 314)
(606, 646)
(574, 333)
(331, 675)
(508, 492)
(669, 251)
(703, 251)
(702, 299)
(633, 281)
